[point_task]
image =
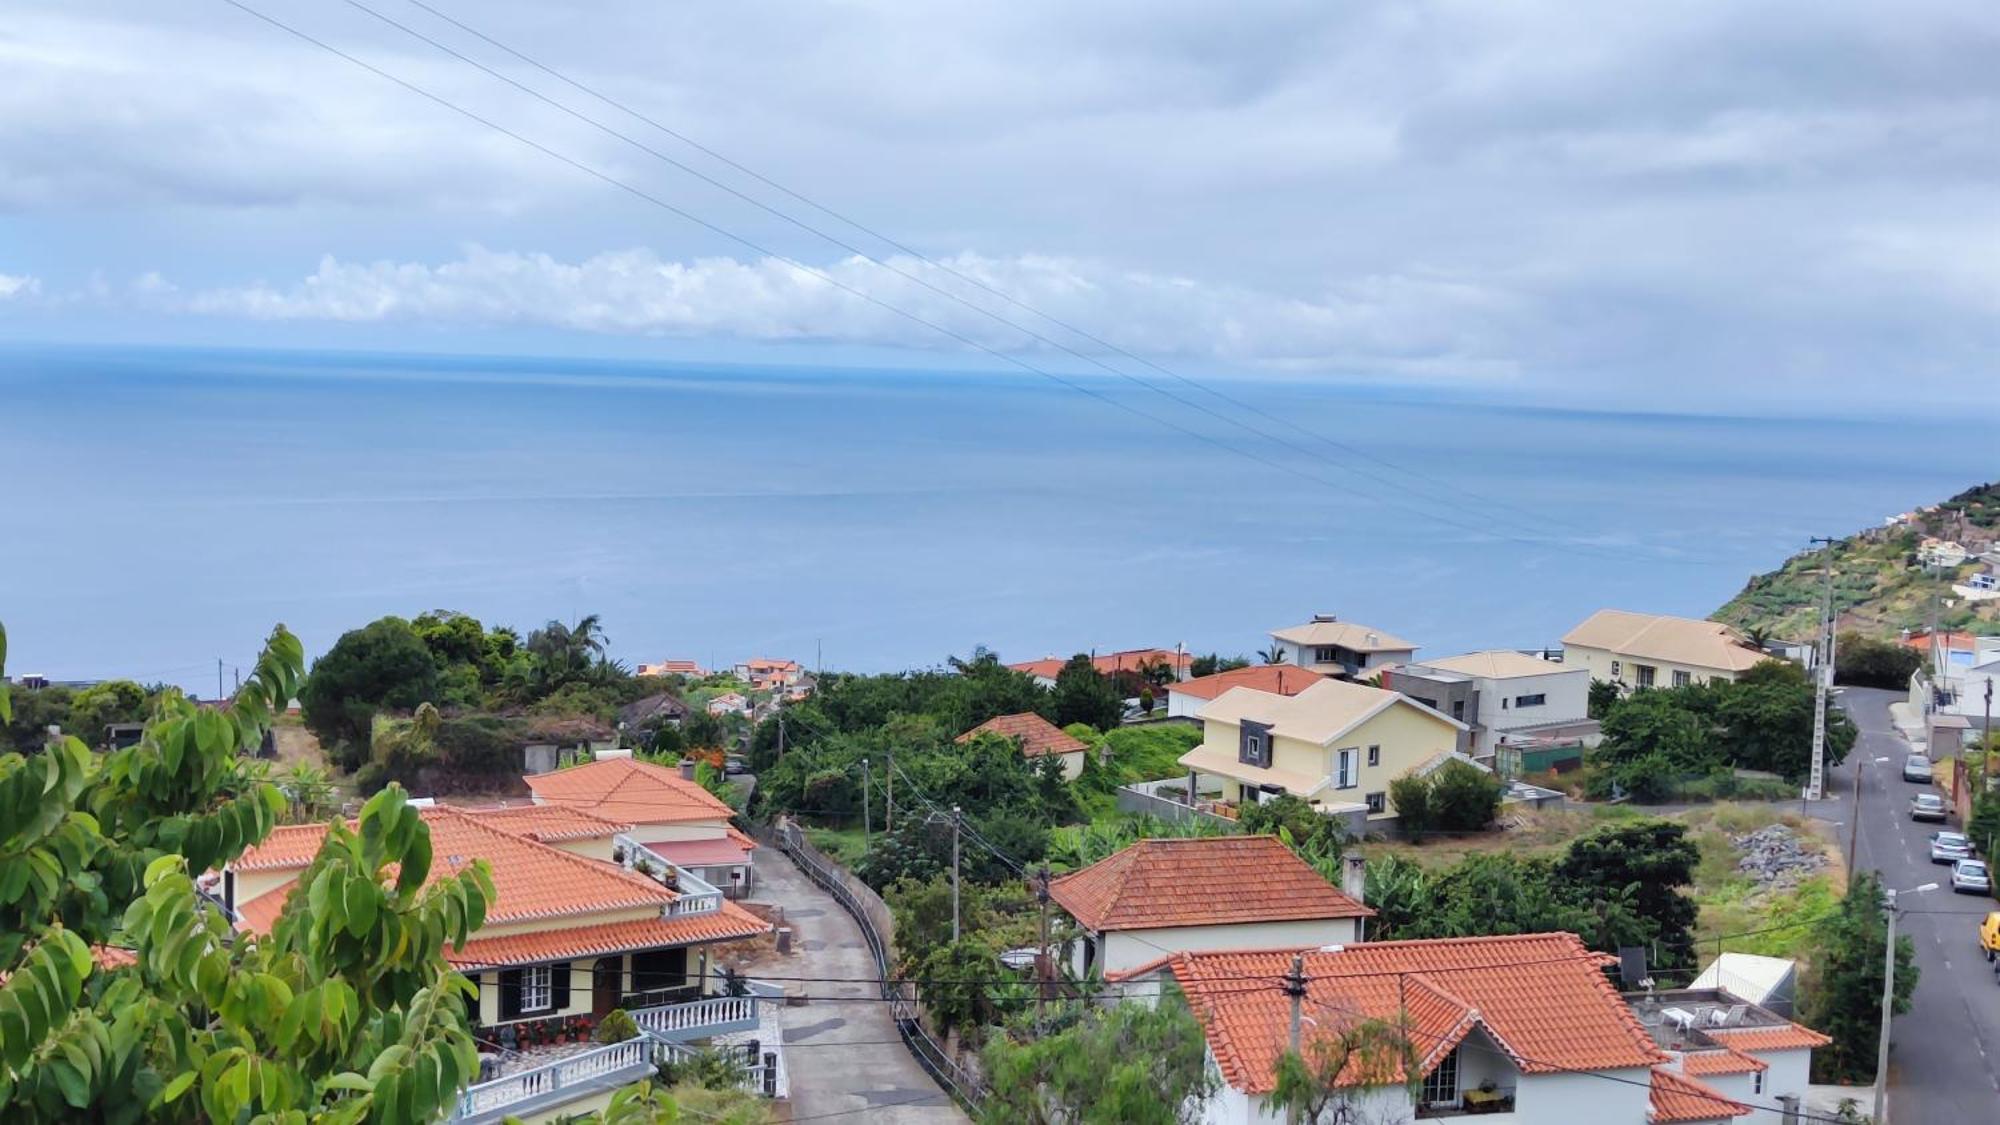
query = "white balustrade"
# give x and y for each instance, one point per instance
(697, 895)
(693, 1019)
(500, 1093)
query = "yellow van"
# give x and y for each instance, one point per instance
(1989, 935)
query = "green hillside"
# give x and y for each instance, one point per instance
(1877, 583)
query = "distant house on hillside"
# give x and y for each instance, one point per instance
(1496, 693)
(671, 814)
(1644, 650)
(1037, 738)
(766, 674)
(1334, 647)
(1186, 698)
(1134, 660)
(688, 668)
(652, 711)
(729, 703)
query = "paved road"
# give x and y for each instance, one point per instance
(846, 1062)
(1945, 1054)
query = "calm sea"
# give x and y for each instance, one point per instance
(165, 508)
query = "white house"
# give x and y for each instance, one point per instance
(1510, 691)
(1037, 737)
(1160, 897)
(1521, 1028)
(1745, 1051)
(1645, 650)
(1334, 647)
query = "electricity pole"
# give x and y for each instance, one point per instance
(956, 818)
(218, 679)
(867, 788)
(1042, 963)
(1295, 987)
(1888, 998)
(889, 817)
(1823, 674)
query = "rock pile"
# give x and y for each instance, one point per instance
(1774, 856)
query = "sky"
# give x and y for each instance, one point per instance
(1703, 205)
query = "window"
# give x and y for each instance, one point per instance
(1343, 772)
(1757, 1082)
(1645, 674)
(1430, 703)
(1682, 679)
(1441, 1084)
(1503, 703)
(538, 988)
(1374, 755)
(1458, 709)
(1254, 745)
(1326, 656)
(1531, 700)
(1615, 673)
(1378, 802)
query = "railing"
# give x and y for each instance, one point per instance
(588, 1066)
(697, 895)
(699, 1019)
(1472, 1103)
(930, 1054)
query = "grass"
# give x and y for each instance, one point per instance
(1733, 903)
(1146, 753)
(844, 845)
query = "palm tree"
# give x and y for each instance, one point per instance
(1272, 655)
(565, 651)
(308, 791)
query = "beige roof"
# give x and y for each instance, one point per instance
(1319, 714)
(1222, 761)
(1673, 640)
(1495, 664)
(1346, 634)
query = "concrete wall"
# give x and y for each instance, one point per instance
(581, 981)
(668, 833)
(1408, 736)
(589, 847)
(1598, 661)
(1568, 698)
(1124, 951)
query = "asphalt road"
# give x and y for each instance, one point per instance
(1944, 1060)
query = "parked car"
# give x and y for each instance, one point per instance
(733, 766)
(1950, 847)
(1917, 767)
(1927, 806)
(1989, 935)
(1970, 877)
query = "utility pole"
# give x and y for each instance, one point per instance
(889, 817)
(867, 788)
(1042, 962)
(781, 730)
(1295, 987)
(1985, 747)
(956, 819)
(1823, 678)
(218, 678)
(1888, 999)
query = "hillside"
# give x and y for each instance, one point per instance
(1877, 583)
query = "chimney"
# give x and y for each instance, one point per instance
(1354, 877)
(687, 769)
(1373, 639)
(1788, 1108)
(1324, 618)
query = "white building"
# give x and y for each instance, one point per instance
(1646, 650)
(1334, 647)
(1511, 691)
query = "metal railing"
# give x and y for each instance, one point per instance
(930, 1054)
(697, 895)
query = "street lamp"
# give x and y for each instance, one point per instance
(1888, 1002)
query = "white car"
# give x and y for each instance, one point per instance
(1917, 767)
(1927, 806)
(1970, 877)
(1950, 847)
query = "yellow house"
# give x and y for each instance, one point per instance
(1646, 650)
(672, 815)
(1335, 744)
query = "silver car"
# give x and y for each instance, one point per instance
(1950, 847)
(1927, 806)
(1970, 877)
(1917, 767)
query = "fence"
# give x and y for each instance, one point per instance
(878, 930)
(1142, 798)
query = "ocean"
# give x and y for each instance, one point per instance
(166, 507)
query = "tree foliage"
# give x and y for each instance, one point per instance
(1085, 695)
(1325, 1080)
(1868, 662)
(1646, 863)
(1763, 721)
(1144, 1064)
(1844, 999)
(383, 665)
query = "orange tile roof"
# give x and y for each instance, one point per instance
(530, 879)
(1277, 679)
(731, 923)
(1725, 1061)
(1676, 1097)
(288, 845)
(1037, 735)
(1782, 1038)
(1200, 881)
(626, 789)
(721, 851)
(1129, 660)
(548, 823)
(1543, 998)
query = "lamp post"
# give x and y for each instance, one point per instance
(1888, 1002)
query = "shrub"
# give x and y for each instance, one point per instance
(1463, 797)
(616, 1027)
(1412, 797)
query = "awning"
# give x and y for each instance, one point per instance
(1223, 762)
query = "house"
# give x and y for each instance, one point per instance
(1496, 693)
(729, 703)
(763, 673)
(1525, 1027)
(1771, 983)
(688, 668)
(1160, 897)
(1334, 647)
(1643, 650)
(1941, 553)
(1743, 1050)
(1186, 698)
(1135, 660)
(670, 814)
(658, 709)
(1037, 737)
(1335, 744)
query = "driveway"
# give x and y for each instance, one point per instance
(844, 1056)
(1944, 1062)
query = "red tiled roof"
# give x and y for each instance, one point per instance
(1725, 1061)
(1543, 998)
(703, 853)
(288, 845)
(1784, 1038)
(1676, 1097)
(1037, 735)
(530, 879)
(548, 823)
(626, 789)
(1200, 881)
(731, 923)
(1950, 641)
(1130, 660)
(1277, 679)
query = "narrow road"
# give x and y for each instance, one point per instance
(845, 1059)
(1944, 1062)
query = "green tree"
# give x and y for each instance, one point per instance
(1845, 997)
(566, 653)
(1410, 794)
(1325, 1082)
(1867, 662)
(1603, 696)
(1658, 722)
(100, 705)
(381, 666)
(1653, 861)
(1143, 1064)
(1084, 695)
(1464, 798)
(35, 711)
(1215, 662)
(956, 985)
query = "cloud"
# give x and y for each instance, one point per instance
(13, 287)
(1432, 325)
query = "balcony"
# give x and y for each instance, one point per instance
(697, 895)
(1472, 1103)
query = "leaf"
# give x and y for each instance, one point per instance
(74, 1089)
(348, 1080)
(175, 1089)
(361, 903)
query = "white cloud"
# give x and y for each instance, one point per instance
(1427, 325)
(14, 286)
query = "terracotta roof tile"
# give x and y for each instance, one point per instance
(1725, 1061)
(288, 845)
(1676, 1097)
(1128, 660)
(548, 823)
(1543, 998)
(1200, 881)
(723, 850)
(1277, 679)
(731, 923)
(1787, 1037)
(1037, 735)
(626, 789)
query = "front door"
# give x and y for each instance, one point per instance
(607, 986)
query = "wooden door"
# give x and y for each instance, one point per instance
(607, 986)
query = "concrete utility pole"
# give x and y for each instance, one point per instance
(1042, 962)
(956, 819)
(218, 679)
(867, 788)
(889, 815)
(1823, 674)
(1888, 1002)
(1295, 987)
